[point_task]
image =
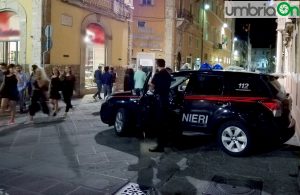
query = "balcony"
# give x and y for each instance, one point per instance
(116, 9)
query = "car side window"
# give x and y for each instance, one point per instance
(205, 85)
(245, 86)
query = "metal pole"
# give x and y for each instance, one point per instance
(202, 45)
(43, 63)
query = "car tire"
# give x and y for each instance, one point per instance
(121, 122)
(234, 138)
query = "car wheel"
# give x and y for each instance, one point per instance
(121, 122)
(234, 138)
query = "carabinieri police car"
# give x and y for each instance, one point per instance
(239, 108)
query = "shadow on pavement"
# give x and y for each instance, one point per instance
(193, 167)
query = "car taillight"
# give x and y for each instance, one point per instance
(274, 106)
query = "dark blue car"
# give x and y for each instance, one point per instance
(239, 108)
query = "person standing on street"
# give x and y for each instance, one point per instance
(114, 79)
(98, 80)
(68, 84)
(107, 80)
(9, 93)
(129, 79)
(22, 85)
(161, 83)
(139, 80)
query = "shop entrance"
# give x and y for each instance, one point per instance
(95, 52)
(9, 37)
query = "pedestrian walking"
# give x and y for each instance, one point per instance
(106, 81)
(129, 79)
(114, 79)
(3, 71)
(39, 94)
(9, 93)
(68, 84)
(98, 80)
(139, 80)
(55, 87)
(160, 83)
(22, 85)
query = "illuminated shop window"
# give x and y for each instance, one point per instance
(9, 37)
(95, 52)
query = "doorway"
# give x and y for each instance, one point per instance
(95, 52)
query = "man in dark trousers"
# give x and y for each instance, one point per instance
(161, 85)
(107, 81)
(98, 80)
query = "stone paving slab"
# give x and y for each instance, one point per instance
(31, 183)
(61, 189)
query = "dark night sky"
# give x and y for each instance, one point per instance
(262, 31)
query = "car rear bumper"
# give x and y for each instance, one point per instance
(274, 131)
(287, 133)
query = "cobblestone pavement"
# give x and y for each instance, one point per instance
(81, 155)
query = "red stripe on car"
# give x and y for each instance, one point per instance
(224, 98)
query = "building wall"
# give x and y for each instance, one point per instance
(187, 31)
(151, 38)
(69, 47)
(288, 65)
(218, 38)
(30, 15)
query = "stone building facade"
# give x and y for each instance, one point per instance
(86, 34)
(20, 27)
(82, 34)
(182, 31)
(288, 62)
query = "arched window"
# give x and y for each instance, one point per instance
(95, 52)
(9, 37)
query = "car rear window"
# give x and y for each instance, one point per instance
(245, 86)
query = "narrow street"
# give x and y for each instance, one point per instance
(81, 155)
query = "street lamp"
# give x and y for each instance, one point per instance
(225, 25)
(206, 7)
